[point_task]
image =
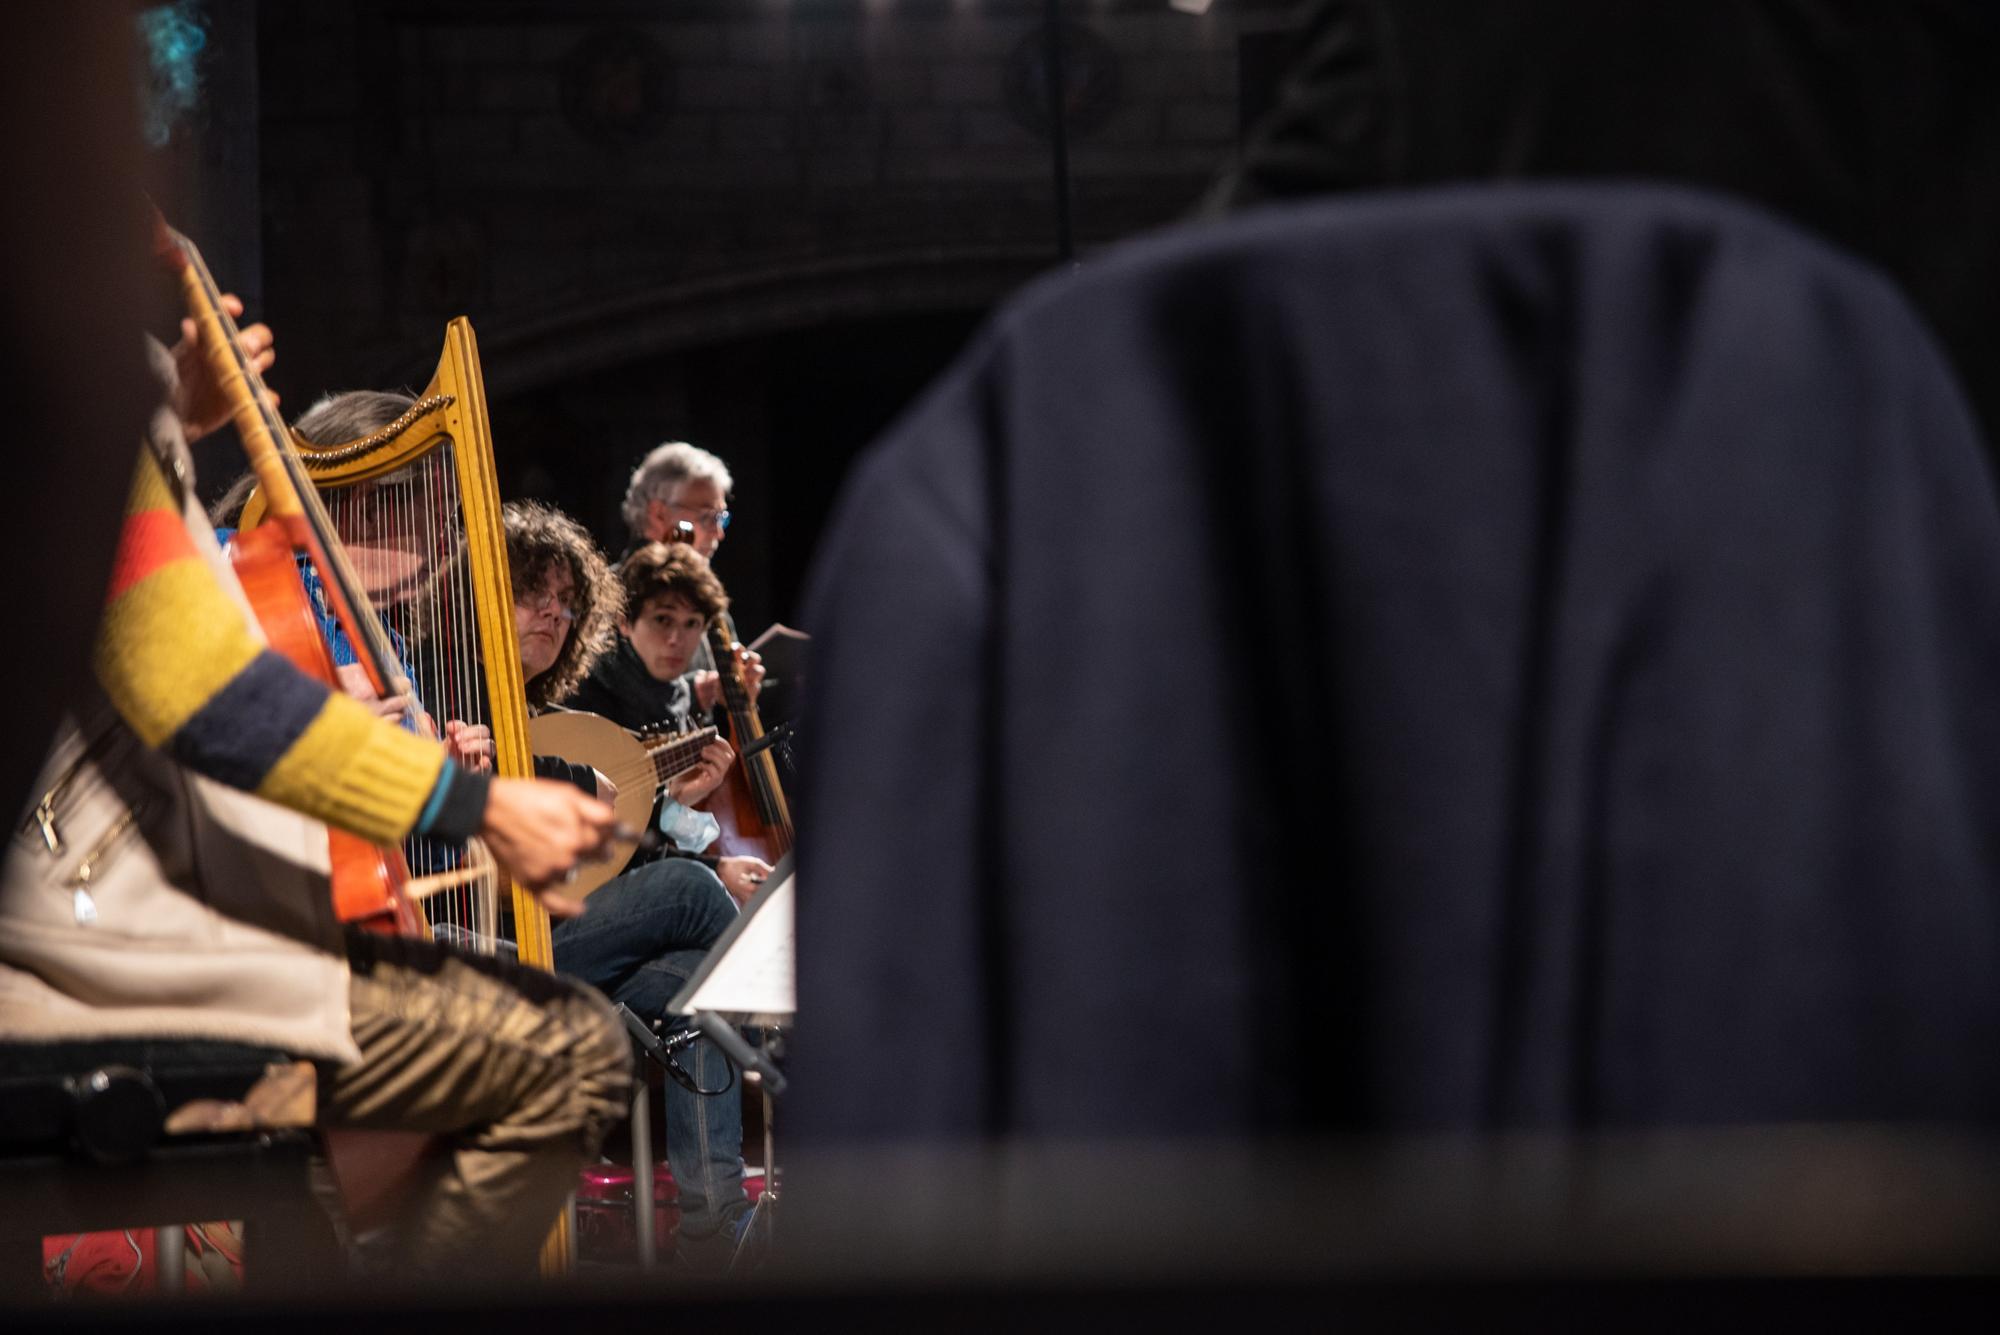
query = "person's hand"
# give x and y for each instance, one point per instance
(354, 681)
(707, 689)
(470, 744)
(200, 402)
(750, 663)
(538, 830)
(742, 877)
(607, 791)
(691, 785)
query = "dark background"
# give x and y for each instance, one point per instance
(760, 227)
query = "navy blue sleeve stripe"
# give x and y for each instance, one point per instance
(247, 726)
(463, 809)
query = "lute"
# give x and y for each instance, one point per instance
(639, 763)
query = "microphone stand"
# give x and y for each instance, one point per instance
(770, 1084)
(781, 738)
(660, 1050)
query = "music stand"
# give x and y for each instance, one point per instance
(748, 979)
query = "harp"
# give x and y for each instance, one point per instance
(417, 507)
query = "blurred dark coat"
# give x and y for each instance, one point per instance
(1607, 588)
(75, 281)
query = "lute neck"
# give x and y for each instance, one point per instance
(761, 769)
(676, 754)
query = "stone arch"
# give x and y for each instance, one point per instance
(530, 348)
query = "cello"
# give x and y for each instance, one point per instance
(749, 805)
(369, 881)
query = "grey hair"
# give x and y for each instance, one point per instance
(665, 467)
(337, 418)
(351, 414)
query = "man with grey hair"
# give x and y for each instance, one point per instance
(675, 482)
(679, 482)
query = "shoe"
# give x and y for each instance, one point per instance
(729, 1250)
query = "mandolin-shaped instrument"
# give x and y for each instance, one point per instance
(639, 763)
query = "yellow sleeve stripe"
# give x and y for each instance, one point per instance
(167, 644)
(357, 772)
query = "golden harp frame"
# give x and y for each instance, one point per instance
(452, 410)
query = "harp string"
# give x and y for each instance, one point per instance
(412, 522)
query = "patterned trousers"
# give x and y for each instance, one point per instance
(519, 1074)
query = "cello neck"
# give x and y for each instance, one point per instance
(250, 410)
(289, 495)
(761, 770)
(721, 634)
(744, 720)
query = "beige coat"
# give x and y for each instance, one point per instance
(147, 901)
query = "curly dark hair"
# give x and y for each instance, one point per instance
(660, 570)
(539, 540)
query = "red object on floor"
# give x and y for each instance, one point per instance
(605, 1227)
(121, 1261)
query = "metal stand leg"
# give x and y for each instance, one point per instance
(642, 1172)
(758, 1230)
(170, 1258)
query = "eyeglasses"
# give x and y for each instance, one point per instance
(546, 601)
(717, 518)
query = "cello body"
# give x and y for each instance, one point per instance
(749, 805)
(751, 814)
(368, 879)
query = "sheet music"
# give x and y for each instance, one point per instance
(774, 631)
(784, 651)
(749, 970)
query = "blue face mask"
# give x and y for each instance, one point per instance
(691, 831)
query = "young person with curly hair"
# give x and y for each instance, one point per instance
(643, 934)
(671, 597)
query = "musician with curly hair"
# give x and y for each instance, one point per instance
(644, 933)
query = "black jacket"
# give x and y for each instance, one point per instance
(1608, 586)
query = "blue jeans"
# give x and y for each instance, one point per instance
(640, 938)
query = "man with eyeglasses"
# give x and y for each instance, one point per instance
(681, 483)
(678, 482)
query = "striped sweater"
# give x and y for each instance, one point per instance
(178, 662)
